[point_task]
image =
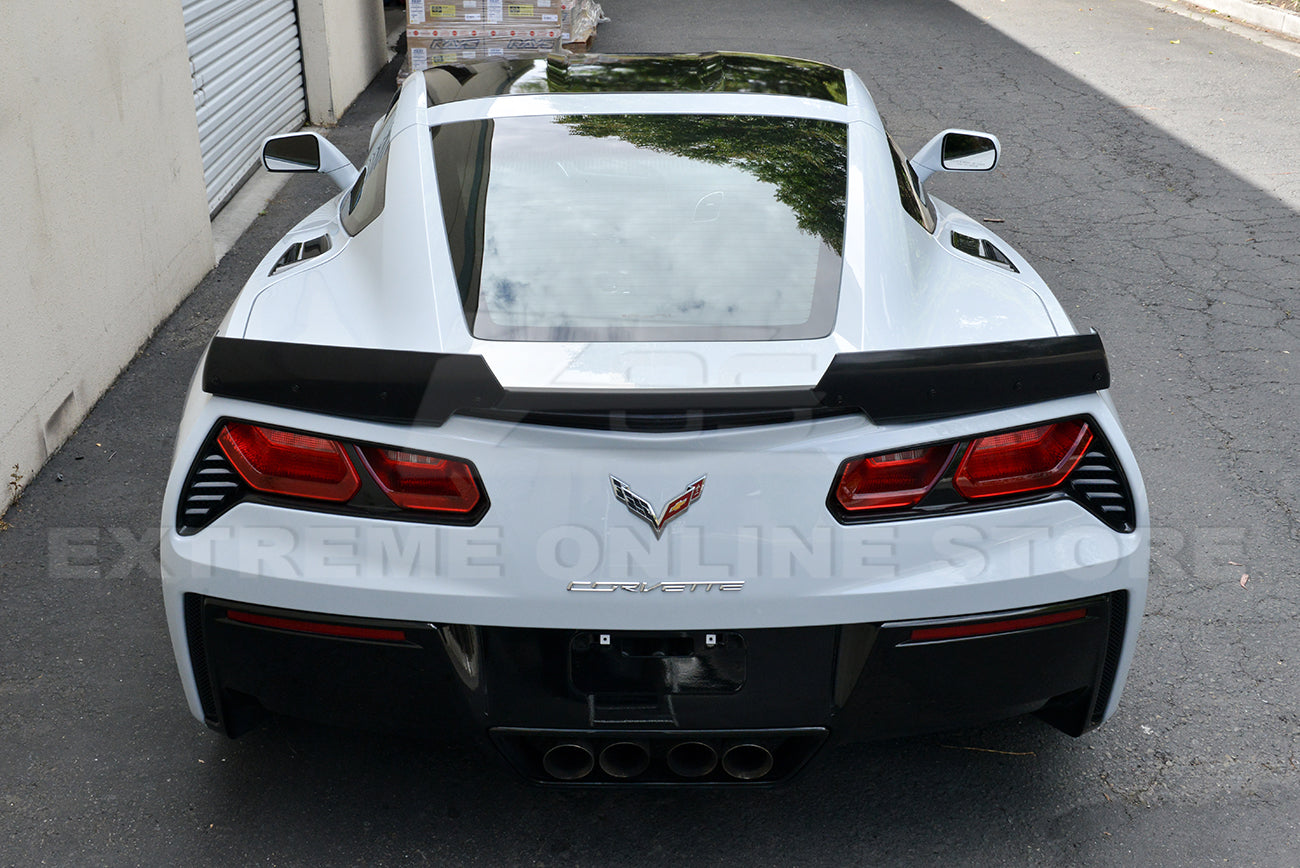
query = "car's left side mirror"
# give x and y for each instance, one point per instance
(957, 151)
(308, 152)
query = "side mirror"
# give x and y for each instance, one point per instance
(308, 152)
(957, 151)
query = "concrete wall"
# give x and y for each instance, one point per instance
(343, 47)
(103, 222)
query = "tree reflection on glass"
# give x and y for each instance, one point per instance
(803, 159)
(717, 72)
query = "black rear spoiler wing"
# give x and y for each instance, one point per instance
(889, 386)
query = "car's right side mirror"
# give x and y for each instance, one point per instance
(308, 152)
(957, 151)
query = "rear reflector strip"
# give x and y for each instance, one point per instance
(985, 628)
(344, 631)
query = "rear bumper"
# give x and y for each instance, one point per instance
(784, 691)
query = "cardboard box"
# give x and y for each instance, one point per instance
(426, 51)
(423, 14)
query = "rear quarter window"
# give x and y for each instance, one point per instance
(364, 202)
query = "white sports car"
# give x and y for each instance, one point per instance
(646, 417)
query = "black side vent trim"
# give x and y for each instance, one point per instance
(1114, 647)
(1099, 484)
(982, 248)
(301, 251)
(212, 487)
(199, 657)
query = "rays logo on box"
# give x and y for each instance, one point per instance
(530, 44)
(640, 507)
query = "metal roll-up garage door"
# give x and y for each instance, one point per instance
(246, 61)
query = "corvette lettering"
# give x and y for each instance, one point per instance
(641, 508)
(652, 587)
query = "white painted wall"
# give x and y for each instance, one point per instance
(343, 46)
(103, 221)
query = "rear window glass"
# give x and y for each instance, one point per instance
(645, 227)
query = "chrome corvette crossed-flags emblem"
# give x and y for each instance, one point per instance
(640, 507)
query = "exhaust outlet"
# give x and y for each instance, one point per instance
(624, 759)
(569, 761)
(692, 759)
(747, 762)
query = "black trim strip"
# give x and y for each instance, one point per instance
(428, 388)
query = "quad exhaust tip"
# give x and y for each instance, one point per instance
(692, 759)
(569, 761)
(624, 759)
(747, 761)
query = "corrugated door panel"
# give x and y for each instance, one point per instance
(246, 61)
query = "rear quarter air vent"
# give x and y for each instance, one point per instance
(301, 251)
(213, 487)
(982, 248)
(1099, 484)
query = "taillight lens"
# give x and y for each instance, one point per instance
(1018, 461)
(891, 480)
(414, 480)
(283, 462)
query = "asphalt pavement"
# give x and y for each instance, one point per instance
(1172, 234)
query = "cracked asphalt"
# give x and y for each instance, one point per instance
(1171, 233)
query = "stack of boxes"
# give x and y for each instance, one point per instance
(478, 29)
(469, 30)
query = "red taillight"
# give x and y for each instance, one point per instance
(282, 462)
(414, 480)
(891, 480)
(1028, 460)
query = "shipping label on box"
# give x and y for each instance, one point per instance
(540, 13)
(422, 59)
(499, 12)
(421, 12)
